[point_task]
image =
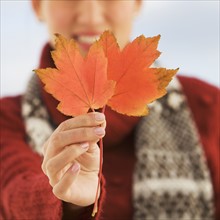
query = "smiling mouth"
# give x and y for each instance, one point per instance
(85, 41)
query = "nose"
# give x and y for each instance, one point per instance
(90, 13)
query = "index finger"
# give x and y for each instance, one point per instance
(87, 120)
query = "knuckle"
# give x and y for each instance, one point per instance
(56, 192)
(43, 167)
(52, 182)
(50, 166)
(55, 139)
(59, 192)
(63, 126)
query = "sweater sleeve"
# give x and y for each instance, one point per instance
(25, 190)
(204, 100)
(26, 193)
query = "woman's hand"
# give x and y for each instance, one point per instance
(71, 158)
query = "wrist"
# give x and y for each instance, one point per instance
(70, 210)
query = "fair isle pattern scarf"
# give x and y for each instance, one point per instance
(171, 179)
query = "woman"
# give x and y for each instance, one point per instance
(155, 167)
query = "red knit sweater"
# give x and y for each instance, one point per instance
(25, 190)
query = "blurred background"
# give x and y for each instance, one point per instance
(189, 39)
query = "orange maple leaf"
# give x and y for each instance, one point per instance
(136, 83)
(78, 83)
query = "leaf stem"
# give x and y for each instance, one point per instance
(95, 208)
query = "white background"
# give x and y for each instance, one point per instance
(189, 30)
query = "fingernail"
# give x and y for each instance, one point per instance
(99, 131)
(99, 117)
(75, 167)
(84, 145)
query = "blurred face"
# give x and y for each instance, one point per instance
(85, 20)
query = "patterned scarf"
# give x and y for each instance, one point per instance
(171, 179)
